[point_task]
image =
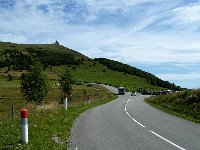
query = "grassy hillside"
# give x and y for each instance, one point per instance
(87, 72)
(17, 58)
(185, 104)
(150, 78)
(42, 47)
(22, 56)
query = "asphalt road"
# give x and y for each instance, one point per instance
(128, 123)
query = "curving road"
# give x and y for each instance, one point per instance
(128, 123)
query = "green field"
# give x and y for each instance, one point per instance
(46, 122)
(100, 73)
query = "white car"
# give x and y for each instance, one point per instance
(133, 93)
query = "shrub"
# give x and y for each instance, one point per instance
(66, 82)
(34, 84)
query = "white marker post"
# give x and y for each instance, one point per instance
(88, 100)
(97, 91)
(24, 125)
(65, 101)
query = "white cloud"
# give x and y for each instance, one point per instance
(145, 48)
(187, 14)
(184, 18)
(189, 76)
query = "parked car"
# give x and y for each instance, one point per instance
(146, 93)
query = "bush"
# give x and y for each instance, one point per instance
(66, 82)
(34, 84)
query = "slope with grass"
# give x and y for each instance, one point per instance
(185, 104)
(22, 56)
(88, 72)
(16, 58)
(152, 79)
(41, 47)
(49, 124)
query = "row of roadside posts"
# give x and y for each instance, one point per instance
(24, 118)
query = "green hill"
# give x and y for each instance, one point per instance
(152, 79)
(22, 56)
(17, 58)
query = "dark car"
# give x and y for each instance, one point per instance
(146, 93)
(121, 90)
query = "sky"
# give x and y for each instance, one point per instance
(158, 36)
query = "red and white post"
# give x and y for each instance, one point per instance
(65, 101)
(24, 125)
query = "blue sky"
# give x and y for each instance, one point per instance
(158, 36)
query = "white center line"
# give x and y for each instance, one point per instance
(167, 140)
(132, 117)
(177, 146)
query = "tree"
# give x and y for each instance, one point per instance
(66, 82)
(34, 84)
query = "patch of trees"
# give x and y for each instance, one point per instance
(152, 79)
(49, 58)
(23, 59)
(16, 59)
(57, 59)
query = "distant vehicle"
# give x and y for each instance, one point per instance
(164, 92)
(146, 93)
(133, 93)
(121, 90)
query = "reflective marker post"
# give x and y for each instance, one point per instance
(65, 101)
(24, 125)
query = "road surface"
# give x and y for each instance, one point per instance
(128, 123)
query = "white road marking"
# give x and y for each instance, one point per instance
(167, 140)
(128, 114)
(177, 146)
(138, 123)
(132, 117)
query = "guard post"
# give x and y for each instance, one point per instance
(24, 125)
(65, 101)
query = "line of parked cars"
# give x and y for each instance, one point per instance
(164, 92)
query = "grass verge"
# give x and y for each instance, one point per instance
(181, 115)
(49, 124)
